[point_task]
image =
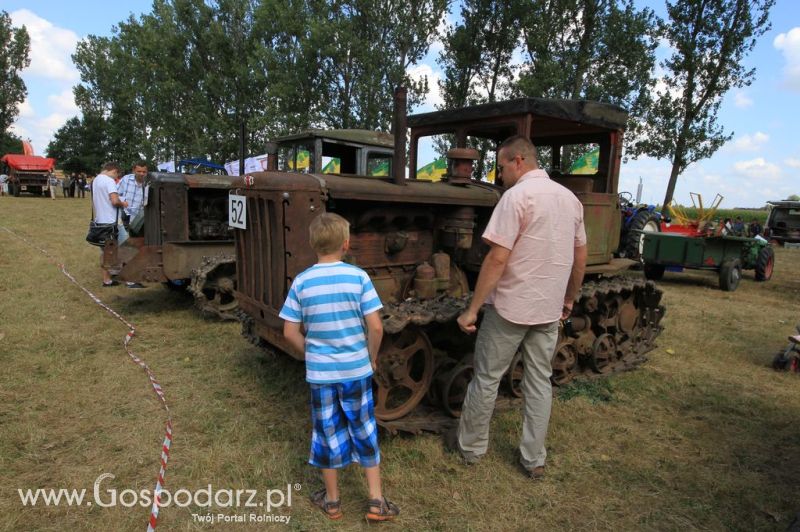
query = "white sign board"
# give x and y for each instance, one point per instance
(257, 163)
(166, 166)
(237, 211)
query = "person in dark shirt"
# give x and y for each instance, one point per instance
(754, 229)
(738, 226)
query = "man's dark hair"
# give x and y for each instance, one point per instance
(113, 165)
(141, 163)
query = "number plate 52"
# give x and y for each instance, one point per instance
(237, 211)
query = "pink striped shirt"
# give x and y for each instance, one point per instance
(541, 222)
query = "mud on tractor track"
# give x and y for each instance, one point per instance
(212, 286)
(425, 363)
(614, 324)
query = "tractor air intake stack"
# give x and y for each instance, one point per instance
(399, 132)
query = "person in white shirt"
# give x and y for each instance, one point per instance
(52, 183)
(106, 201)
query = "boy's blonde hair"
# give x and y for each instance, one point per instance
(327, 233)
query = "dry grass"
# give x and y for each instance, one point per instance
(704, 436)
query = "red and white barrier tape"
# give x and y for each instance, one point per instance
(151, 525)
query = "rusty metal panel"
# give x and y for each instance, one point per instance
(369, 249)
(145, 266)
(180, 258)
(209, 181)
(374, 188)
(613, 267)
(174, 212)
(425, 192)
(273, 218)
(300, 208)
(275, 181)
(152, 216)
(602, 219)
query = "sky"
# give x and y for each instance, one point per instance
(760, 163)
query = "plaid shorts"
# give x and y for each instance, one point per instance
(344, 425)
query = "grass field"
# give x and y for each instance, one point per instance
(704, 436)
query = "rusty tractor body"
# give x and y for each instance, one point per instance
(186, 241)
(420, 242)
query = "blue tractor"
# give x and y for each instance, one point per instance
(637, 219)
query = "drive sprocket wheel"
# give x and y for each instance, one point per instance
(213, 284)
(404, 373)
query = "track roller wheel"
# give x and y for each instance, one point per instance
(443, 366)
(454, 387)
(564, 363)
(404, 374)
(604, 354)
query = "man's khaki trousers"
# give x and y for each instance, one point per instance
(497, 343)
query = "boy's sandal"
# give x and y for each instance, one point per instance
(333, 509)
(387, 510)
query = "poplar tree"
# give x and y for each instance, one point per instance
(601, 50)
(477, 55)
(709, 42)
(14, 57)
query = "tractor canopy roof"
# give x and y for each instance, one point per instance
(29, 163)
(602, 115)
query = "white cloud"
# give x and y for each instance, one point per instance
(712, 179)
(434, 96)
(750, 185)
(757, 169)
(19, 130)
(63, 103)
(751, 143)
(789, 44)
(26, 109)
(51, 47)
(54, 121)
(742, 100)
(792, 162)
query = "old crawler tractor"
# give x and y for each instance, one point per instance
(420, 243)
(186, 241)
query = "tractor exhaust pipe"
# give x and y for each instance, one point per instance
(399, 128)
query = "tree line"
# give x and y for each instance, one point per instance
(15, 44)
(179, 81)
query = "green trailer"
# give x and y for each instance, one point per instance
(727, 255)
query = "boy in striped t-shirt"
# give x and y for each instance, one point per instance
(332, 300)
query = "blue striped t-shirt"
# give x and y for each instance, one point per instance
(331, 300)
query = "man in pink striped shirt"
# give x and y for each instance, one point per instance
(529, 280)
